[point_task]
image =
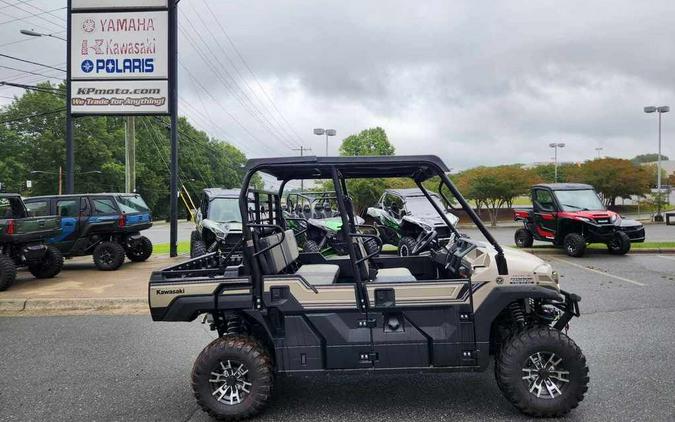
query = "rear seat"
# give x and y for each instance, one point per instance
(384, 275)
(285, 254)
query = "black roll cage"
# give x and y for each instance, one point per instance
(323, 168)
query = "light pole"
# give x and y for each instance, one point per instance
(598, 149)
(70, 150)
(555, 147)
(327, 132)
(662, 109)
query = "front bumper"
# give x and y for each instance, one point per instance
(569, 308)
(634, 229)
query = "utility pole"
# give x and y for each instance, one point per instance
(173, 108)
(130, 154)
(302, 150)
(70, 148)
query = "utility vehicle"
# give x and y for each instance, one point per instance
(571, 215)
(218, 224)
(322, 231)
(404, 217)
(104, 225)
(22, 241)
(284, 313)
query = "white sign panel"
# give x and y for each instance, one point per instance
(127, 45)
(120, 97)
(119, 4)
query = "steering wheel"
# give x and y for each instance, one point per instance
(424, 242)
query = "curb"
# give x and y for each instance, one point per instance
(88, 306)
(554, 251)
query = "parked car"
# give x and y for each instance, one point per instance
(282, 312)
(405, 218)
(571, 215)
(104, 225)
(23, 241)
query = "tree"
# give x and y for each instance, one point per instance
(648, 158)
(38, 144)
(495, 187)
(372, 141)
(566, 172)
(366, 192)
(615, 178)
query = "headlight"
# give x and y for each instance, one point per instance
(587, 220)
(615, 219)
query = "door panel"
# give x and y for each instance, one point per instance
(68, 209)
(324, 315)
(419, 324)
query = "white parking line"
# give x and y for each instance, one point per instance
(637, 283)
(672, 258)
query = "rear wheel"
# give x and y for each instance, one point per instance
(311, 246)
(108, 256)
(141, 250)
(195, 236)
(574, 244)
(620, 244)
(7, 272)
(50, 264)
(542, 372)
(232, 378)
(372, 248)
(198, 248)
(406, 246)
(523, 238)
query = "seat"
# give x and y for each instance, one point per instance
(394, 275)
(285, 255)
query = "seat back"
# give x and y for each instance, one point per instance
(279, 257)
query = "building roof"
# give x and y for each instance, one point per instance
(310, 167)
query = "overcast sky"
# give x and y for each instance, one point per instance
(474, 82)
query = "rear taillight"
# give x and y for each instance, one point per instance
(11, 228)
(122, 221)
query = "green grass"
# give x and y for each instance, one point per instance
(645, 245)
(163, 248)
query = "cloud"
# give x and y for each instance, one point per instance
(477, 83)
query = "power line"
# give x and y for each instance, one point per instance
(26, 71)
(255, 77)
(29, 116)
(48, 90)
(33, 14)
(22, 18)
(31, 62)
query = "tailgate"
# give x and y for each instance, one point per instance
(33, 228)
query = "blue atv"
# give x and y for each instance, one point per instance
(104, 225)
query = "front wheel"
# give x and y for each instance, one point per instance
(141, 250)
(620, 244)
(198, 248)
(108, 256)
(49, 266)
(311, 246)
(523, 238)
(542, 372)
(232, 378)
(406, 245)
(574, 244)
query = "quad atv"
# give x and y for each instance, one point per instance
(106, 226)
(322, 231)
(22, 242)
(571, 215)
(280, 312)
(218, 224)
(404, 217)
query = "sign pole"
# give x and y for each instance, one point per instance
(70, 150)
(173, 106)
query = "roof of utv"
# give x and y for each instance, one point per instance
(564, 186)
(407, 193)
(290, 168)
(222, 193)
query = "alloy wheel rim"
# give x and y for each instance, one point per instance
(545, 376)
(230, 383)
(403, 250)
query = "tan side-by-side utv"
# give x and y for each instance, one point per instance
(453, 308)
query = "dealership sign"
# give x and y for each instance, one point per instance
(129, 50)
(120, 97)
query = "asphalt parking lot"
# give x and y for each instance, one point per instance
(129, 368)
